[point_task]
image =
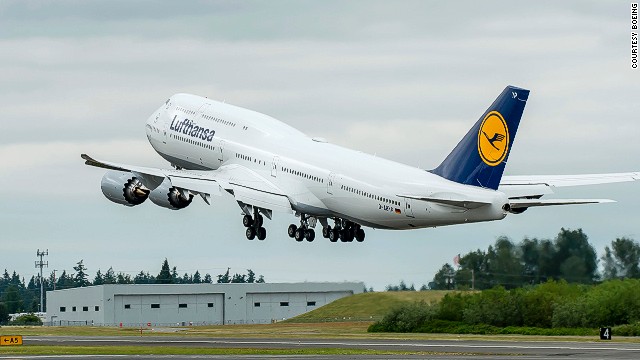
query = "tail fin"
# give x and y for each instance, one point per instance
(480, 157)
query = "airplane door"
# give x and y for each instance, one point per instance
(407, 208)
(274, 166)
(203, 108)
(332, 177)
(221, 152)
(164, 132)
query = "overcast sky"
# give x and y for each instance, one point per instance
(404, 80)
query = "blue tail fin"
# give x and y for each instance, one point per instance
(480, 157)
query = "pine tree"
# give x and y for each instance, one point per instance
(80, 278)
(64, 281)
(13, 300)
(99, 279)
(110, 277)
(207, 279)
(224, 279)
(186, 279)
(196, 278)
(165, 274)
(144, 278)
(174, 276)
(251, 276)
(123, 278)
(238, 279)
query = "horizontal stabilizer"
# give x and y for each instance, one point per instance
(570, 180)
(527, 203)
(467, 204)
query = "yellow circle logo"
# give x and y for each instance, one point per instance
(493, 139)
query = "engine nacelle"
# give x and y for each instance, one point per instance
(169, 197)
(123, 188)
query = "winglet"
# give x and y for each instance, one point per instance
(93, 162)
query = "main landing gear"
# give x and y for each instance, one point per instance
(344, 230)
(254, 226)
(305, 230)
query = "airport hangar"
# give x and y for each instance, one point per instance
(190, 304)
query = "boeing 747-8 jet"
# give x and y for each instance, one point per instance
(215, 148)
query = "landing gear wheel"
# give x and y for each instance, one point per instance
(344, 235)
(299, 236)
(310, 235)
(334, 235)
(350, 235)
(326, 231)
(292, 230)
(247, 221)
(251, 233)
(259, 220)
(359, 235)
(262, 233)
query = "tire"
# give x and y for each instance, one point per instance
(292, 231)
(247, 221)
(250, 233)
(333, 235)
(299, 235)
(326, 231)
(359, 235)
(262, 233)
(259, 220)
(310, 235)
(350, 235)
(344, 235)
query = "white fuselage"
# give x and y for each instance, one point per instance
(320, 179)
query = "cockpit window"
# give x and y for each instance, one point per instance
(166, 102)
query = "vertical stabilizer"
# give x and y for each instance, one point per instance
(480, 157)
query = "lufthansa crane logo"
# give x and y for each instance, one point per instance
(493, 139)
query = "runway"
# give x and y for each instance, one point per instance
(431, 349)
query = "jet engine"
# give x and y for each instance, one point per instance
(170, 197)
(123, 188)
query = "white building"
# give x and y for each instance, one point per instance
(190, 304)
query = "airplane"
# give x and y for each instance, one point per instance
(268, 166)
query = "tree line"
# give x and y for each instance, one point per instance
(18, 296)
(551, 308)
(569, 256)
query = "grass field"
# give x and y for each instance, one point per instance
(345, 318)
(172, 350)
(366, 306)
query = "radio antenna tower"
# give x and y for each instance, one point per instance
(40, 264)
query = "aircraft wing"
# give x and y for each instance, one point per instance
(244, 184)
